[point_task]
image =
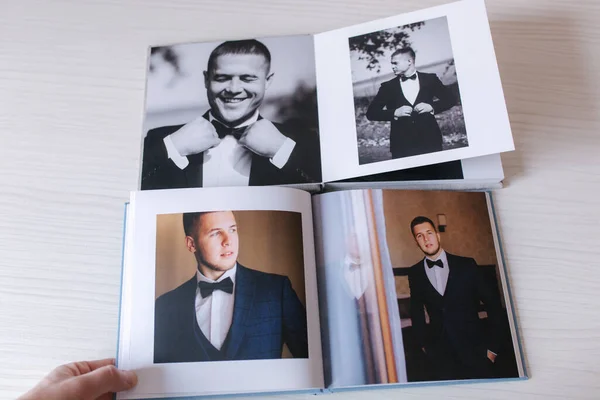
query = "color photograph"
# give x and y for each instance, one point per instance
(229, 286)
(449, 285)
(412, 288)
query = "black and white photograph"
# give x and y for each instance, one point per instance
(406, 92)
(231, 113)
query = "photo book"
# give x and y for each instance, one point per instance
(248, 290)
(314, 213)
(411, 100)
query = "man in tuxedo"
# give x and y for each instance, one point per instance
(231, 144)
(450, 288)
(407, 101)
(226, 311)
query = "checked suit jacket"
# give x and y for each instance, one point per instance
(266, 314)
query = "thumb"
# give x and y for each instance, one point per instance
(108, 379)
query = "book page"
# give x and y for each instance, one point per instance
(415, 89)
(219, 293)
(412, 288)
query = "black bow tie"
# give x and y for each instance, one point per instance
(223, 130)
(206, 288)
(431, 264)
(405, 78)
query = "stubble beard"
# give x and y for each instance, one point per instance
(432, 253)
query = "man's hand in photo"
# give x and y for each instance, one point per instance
(195, 137)
(423, 108)
(403, 111)
(263, 138)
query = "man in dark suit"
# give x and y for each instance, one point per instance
(231, 144)
(450, 289)
(226, 311)
(407, 101)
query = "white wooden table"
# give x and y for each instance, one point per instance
(71, 96)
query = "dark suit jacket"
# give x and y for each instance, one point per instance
(159, 172)
(454, 317)
(266, 314)
(418, 133)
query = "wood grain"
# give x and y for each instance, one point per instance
(71, 95)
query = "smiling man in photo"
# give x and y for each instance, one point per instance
(226, 311)
(231, 144)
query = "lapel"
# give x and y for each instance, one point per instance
(426, 282)
(419, 99)
(255, 172)
(451, 275)
(193, 174)
(188, 313)
(245, 291)
(399, 94)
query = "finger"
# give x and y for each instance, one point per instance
(78, 368)
(89, 366)
(106, 379)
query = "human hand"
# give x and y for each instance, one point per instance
(491, 356)
(83, 380)
(263, 138)
(195, 137)
(403, 111)
(423, 108)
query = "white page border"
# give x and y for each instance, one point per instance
(482, 97)
(137, 326)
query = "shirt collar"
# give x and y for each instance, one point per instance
(228, 274)
(247, 122)
(415, 73)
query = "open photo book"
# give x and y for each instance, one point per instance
(415, 97)
(229, 291)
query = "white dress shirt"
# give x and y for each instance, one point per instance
(410, 88)
(214, 313)
(438, 276)
(229, 163)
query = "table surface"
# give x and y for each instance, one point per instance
(71, 96)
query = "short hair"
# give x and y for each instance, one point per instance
(404, 50)
(190, 222)
(420, 220)
(250, 46)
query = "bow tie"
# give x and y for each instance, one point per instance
(206, 288)
(405, 78)
(223, 130)
(431, 264)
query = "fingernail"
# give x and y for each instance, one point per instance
(130, 377)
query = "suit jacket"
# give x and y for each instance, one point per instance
(266, 314)
(159, 172)
(418, 133)
(453, 317)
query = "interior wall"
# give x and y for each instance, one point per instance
(468, 232)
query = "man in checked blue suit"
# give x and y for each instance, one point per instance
(226, 311)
